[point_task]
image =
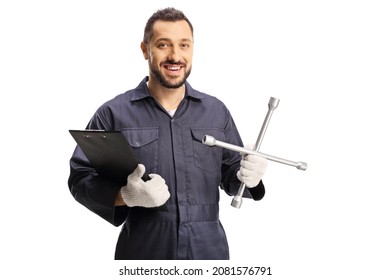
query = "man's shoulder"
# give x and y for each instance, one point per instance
(127, 96)
(117, 101)
(201, 95)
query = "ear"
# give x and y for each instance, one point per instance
(144, 49)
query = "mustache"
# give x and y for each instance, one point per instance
(171, 61)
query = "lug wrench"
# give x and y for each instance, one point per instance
(211, 141)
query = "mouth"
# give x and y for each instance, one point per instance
(173, 69)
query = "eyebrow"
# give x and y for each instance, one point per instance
(167, 39)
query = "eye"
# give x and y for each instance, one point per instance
(185, 46)
(162, 45)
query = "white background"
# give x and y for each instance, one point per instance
(327, 61)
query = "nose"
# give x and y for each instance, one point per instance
(174, 53)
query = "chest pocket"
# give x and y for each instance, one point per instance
(205, 157)
(144, 142)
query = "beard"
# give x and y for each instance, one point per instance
(165, 82)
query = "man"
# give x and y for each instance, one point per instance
(164, 120)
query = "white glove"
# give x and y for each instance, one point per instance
(252, 169)
(137, 192)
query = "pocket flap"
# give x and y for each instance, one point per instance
(139, 137)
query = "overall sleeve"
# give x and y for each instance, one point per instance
(231, 164)
(90, 189)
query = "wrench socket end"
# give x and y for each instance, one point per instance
(302, 166)
(236, 202)
(208, 140)
(273, 103)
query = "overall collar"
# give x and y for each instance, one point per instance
(142, 91)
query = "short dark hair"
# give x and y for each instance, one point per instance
(167, 14)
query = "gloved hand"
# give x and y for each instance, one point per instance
(137, 192)
(252, 168)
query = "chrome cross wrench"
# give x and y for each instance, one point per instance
(211, 141)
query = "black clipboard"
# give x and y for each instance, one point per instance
(110, 154)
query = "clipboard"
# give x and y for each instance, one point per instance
(110, 154)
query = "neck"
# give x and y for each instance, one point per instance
(169, 98)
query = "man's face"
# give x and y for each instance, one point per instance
(169, 53)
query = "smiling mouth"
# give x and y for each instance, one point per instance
(173, 67)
